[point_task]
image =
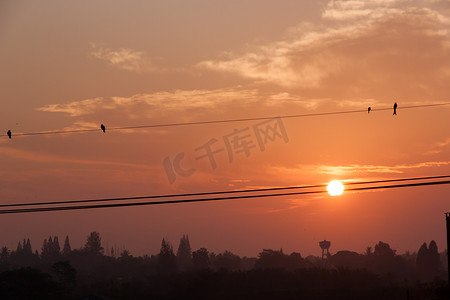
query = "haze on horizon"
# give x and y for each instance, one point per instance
(72, 65)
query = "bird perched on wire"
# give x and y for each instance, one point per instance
(9, 133)
(103, 127)
(395, 109)
(369, 109)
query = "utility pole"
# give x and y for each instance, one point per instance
(447, 217)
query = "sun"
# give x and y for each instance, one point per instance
(335, 188)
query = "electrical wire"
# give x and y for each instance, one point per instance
(221, 121)
(218, 192)
(178, 201)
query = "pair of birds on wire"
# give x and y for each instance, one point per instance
(395, 109)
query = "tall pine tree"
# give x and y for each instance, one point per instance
(50, 249)
(94, 244)
(19, 248)
(27, 247)
(167, 261)
(184, 254)
(66, 249)
(56, 247)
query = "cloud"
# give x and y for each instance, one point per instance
(124, 58)
(359, 103)
(350, 10)
(443, 143)
(354, 172)
(288, 205)
(285, 98)
(80, 125)
(76, 108)
(177, 100)
(358, 46)
(152, 104)
(45, 158)
(439, 147)
(274, 63)
(358, 169)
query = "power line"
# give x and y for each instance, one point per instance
(222, 121)
(218, 192)
(177, 201)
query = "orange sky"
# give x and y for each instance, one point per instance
(71, 65)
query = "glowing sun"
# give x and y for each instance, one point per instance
(335, 188)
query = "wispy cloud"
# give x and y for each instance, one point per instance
(349, 10)
(288, 98)
(356, 171)
(46, 158)
(311, 54)
(124, 58)
(154, 103)
(177, 100)
(79, 125)
(276, 63)
(380, 169)
(443, 143)
(439, 146)
(284, 205)
(76, 108)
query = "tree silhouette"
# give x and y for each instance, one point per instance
(383, 250)
(184, 255)
(227, 261)
(422, 257)
(125, 255)
(27, 247)
(276, 259)
(435, 260)
(56, 248)
(385, 261)
(19, 248)
(45, 248)
(28, 283)
(347, 259)
(66, 249)
(271, 259)
(50, 249)
(4, 254)
(65, 274)
(428, 261)
(167, 261)
(4, 258)
(94, 244)
(200, 259)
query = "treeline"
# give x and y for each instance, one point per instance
(57, 272)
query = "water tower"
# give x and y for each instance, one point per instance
(325, 245)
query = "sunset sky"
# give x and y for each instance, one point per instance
(77, 64)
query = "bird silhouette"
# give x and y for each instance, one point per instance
(9, 133)
(395, 109)
(103, 127)
(369, 109)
